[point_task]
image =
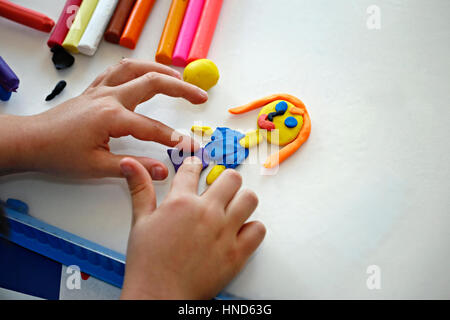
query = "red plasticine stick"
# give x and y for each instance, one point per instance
(25, 16)
(205, 30)
(64, 23)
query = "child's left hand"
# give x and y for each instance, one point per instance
(72, 138)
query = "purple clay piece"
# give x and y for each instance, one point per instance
(8, 79)
(4, 95)
(177, 156)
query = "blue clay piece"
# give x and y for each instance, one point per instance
(177, 156)
(290, 122)
(225, 149)
(281, 106)
(4, 95)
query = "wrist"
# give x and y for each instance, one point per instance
(18, 144)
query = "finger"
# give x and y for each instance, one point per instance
(250, 237)
(241, 207)
(144, 128)
(130, 69)
(141, 188)
(224, 188)
(108, 165)
(187, 177)
(141, 89)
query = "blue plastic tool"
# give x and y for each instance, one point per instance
(67, 248)
(61, 246)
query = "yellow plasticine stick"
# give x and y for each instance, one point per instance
(215, 172)
(251, 139)
(202, 130)
(80, 23)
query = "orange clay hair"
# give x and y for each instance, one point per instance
(299, 108)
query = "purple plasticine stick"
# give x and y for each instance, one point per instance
(8, 79)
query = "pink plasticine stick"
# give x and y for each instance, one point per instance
(187, 32)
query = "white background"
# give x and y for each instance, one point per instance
(371, 185)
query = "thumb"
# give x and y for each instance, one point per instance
(141, 188)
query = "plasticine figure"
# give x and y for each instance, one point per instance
(283, 120)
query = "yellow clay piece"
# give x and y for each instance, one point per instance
(202, 130)
(214, 173)
(283, 135)
(251, 139)
(202, 73)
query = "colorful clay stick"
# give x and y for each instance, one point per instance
(61, 58)
(4, 94)
(57, 90)
(119, 20)
(205, 30)
(80, 23)
(25, 16)
(8, 79)
(136, 23)
(94, 31)
(297, 109)
(64, 23)
(187, 32)
(177, 157)
(169, 35)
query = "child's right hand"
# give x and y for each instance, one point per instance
(191, 246)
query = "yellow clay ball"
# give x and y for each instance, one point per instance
(203, 73)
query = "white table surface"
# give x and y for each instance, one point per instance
(370, 187)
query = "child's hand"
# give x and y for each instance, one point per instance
(72, 138)
(191, 246)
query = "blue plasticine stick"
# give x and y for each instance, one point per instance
(4, 95)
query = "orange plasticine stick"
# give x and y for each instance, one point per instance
(169, 35)
(205, 30)
(136, 23)
(277, 158)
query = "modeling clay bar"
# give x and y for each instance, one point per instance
(94, 32)
(205, 30)
(8, 79)
(119, 20)
(169, 35)
(187, 32)
(79, 25)
(136, 23)
(64, 23)
(25, 16)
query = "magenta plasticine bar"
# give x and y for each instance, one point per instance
(187, 32)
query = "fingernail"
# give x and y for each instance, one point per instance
(126, 169)
(204, 93)
(192, 160)
(157, 173)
